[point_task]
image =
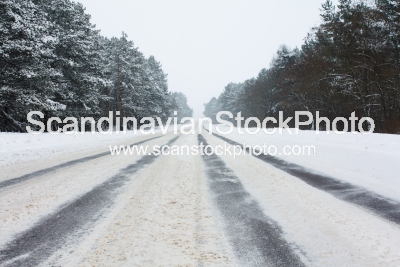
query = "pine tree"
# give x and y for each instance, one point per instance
(26, 55)
(182, 106)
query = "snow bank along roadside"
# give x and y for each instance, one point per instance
(383, 207)
(25, 204)
(370, 161)
(330, 232)
(46, 150)
(59, 167)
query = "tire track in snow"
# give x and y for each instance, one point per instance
(256, 239)
(29, 176)
(37, 244)
(379, 205)
(157, 221)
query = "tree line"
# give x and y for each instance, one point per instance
(55, 61)
(350, 62)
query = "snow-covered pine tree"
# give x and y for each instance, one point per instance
(183, 108)
(26, 54)
(77, 57)
(122, 64)
(161, 101)
(53, 60)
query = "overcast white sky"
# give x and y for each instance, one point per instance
(204, 45)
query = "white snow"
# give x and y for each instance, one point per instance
(324, 230)
(165, 217)
(22, 153)
(55, 105)
(370, 161)
(22, 205)
(162, 219)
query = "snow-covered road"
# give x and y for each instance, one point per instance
(76, 205)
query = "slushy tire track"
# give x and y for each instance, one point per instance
(41, 241)
(379, 205)
(53, 169)
(256, 239)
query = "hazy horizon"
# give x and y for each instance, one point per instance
(204, 46)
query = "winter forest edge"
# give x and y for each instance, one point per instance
(53, 60)
(349, 63)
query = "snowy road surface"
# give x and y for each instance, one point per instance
(77, 205)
